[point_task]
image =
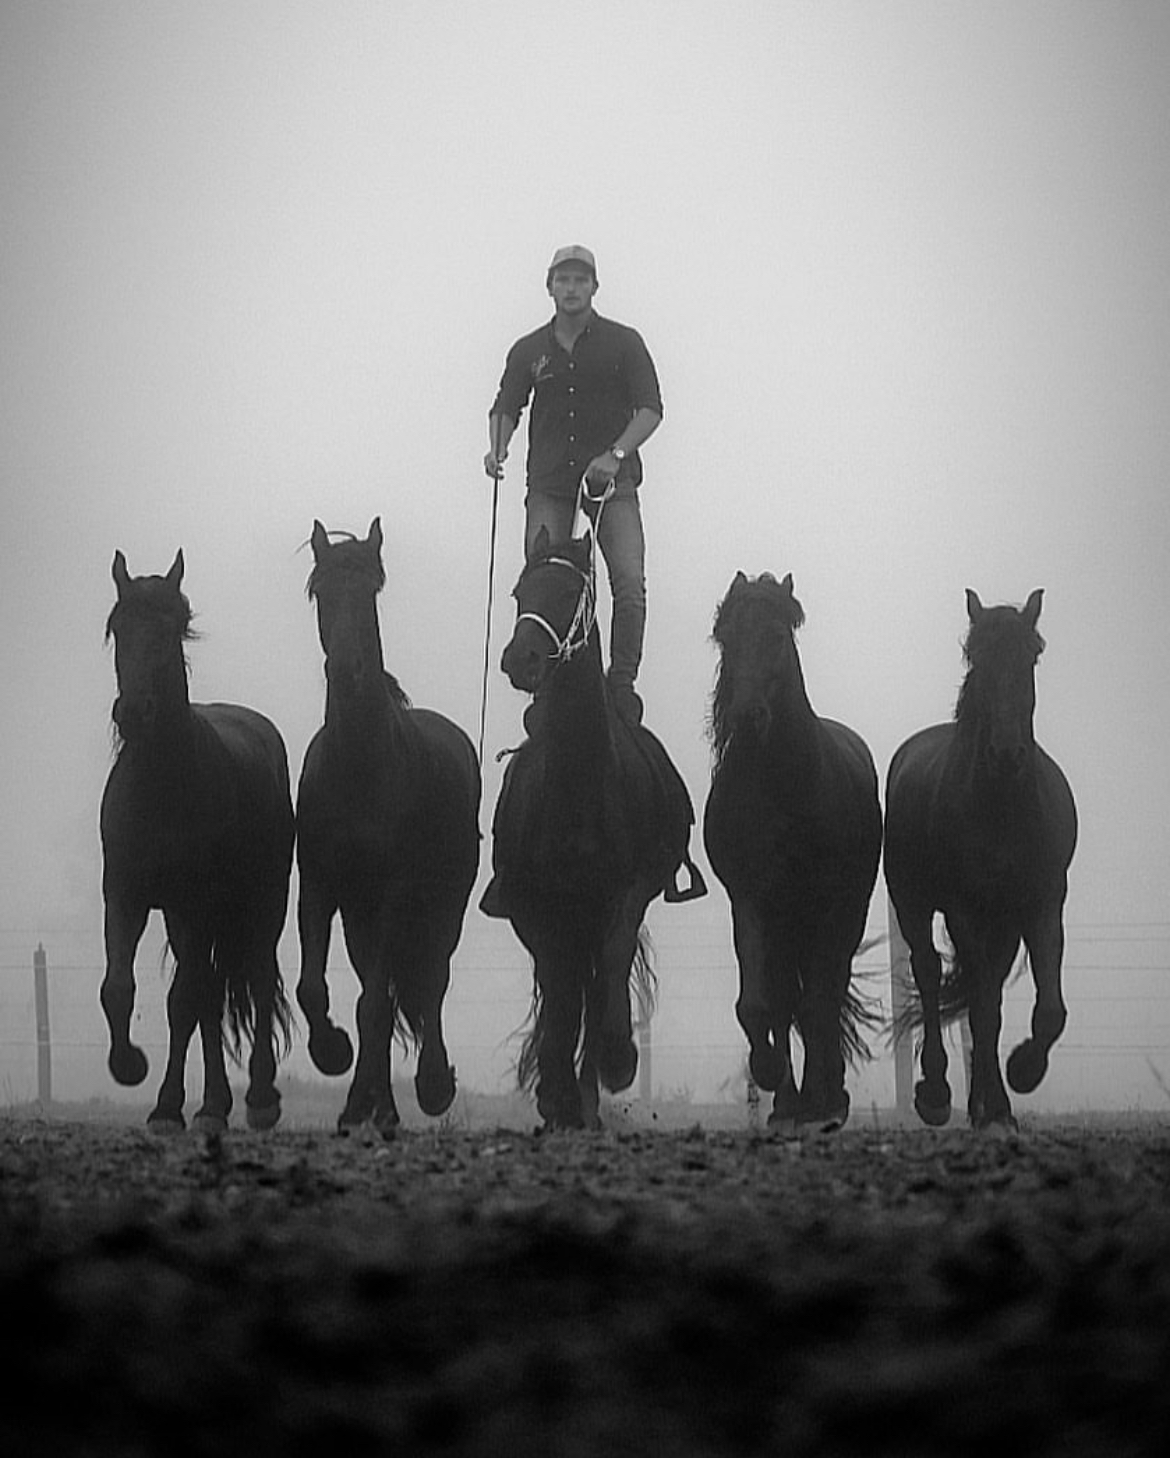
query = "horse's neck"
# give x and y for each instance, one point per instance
(577, 717)
(373, 730)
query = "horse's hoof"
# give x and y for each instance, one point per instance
(827, 1123)
(205, 1123)
(435, 1090)
(262, 1117)
(165, 1124)
(783, 1124)
(128, 1065)
(617, 1063)
(331, 1051)
(1026, 1067)
(934, 1112)
(766, 1068)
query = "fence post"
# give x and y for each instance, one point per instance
(899, 1000)
(44, 1045)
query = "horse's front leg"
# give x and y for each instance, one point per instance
(932, 1093)
(1044, 939)
(124, 923)
(987, 954)
(371, 1094)
(329, 1046)
(768, 1062)
(609, 1029)
(824, 1097)
(561, 971)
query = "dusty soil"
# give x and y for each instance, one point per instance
(683, 1291)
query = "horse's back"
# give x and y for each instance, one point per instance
(250, 738)
(454, 754)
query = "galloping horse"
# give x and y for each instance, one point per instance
(591, 825)
(793, 829)
(981, 826)
(387, 835)
(196, 821)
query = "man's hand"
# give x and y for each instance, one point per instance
(601, 470)
(494, 465)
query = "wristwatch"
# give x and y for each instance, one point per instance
(618, 454)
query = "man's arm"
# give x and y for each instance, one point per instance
(500, 429)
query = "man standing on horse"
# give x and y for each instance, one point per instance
(595, 402)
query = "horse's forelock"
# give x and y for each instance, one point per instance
(748, 590)
(153, 597)
(1001, 630)
(352, 556)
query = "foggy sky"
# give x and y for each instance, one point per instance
(904, 270)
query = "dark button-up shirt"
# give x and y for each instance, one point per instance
(581, 401)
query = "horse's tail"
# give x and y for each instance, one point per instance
(860, 1015)
(250, 975)
(643, 978)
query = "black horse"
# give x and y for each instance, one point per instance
(197, 822)
(592, 823)
(793, 829)
(981, 826)
(387, 835)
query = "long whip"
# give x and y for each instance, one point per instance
(487, 635)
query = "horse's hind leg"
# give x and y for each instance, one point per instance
(263, 1097)
(124, 924)
(371, 1095)
(1044, 939)
(195, 998)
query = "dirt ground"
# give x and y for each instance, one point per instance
(653, 1289)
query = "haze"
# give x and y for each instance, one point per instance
(905, 273)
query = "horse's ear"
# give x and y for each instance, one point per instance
(786, 585)
(974, 606)
(374, 534)
(121, 573)
(1032, 608)
(175, 575)
(319, 541)
(540, 543)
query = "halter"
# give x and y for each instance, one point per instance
(585, 613)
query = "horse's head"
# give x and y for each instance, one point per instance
(149, 624)
(998, 696)
(555, 608)
(345, 581)
(754, 629)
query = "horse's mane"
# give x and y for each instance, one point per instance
(774, 598)
(999, 633)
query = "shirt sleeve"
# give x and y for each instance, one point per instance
(515, 383)
(641, 376)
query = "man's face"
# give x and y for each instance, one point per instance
(572, 288)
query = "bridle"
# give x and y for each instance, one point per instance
(576, 635)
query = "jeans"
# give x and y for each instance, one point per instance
(623, 545)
